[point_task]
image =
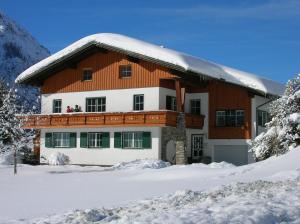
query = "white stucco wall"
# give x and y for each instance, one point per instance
(118, 100)
(105, 156)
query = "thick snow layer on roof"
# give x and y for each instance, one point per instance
(184, 61)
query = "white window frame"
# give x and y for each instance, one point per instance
(195, 107)
(95, 105)
(132, 140)
(138, 104)
(61, 139)
(125, 71)
(94, 139)
(59, 108)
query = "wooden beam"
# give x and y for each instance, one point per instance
(178, 96)
(182, 98)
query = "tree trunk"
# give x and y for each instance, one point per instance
(15, 160)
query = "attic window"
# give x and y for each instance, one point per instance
(125, 71)
(87, 75)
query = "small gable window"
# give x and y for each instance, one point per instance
(125, 71)
(87, 75)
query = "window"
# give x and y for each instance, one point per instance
(240, 118)
(220, 118)
(138, 102)
(96, 104)
(171, 103)
(57, 106)
(60, 139)
(132, 140)
(263, 117)
(196, 107)
(94, 140)
(230, 118)
(87, 75)
(125, 71)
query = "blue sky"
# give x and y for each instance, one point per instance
(257, 36)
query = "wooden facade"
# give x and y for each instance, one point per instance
(105, 68)
(225, 96)
(155, 118)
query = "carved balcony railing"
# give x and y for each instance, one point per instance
(153, 118)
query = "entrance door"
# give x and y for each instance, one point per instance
(197, 147)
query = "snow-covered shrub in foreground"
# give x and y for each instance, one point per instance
(58, 159)
(283, 130)
(141, 164)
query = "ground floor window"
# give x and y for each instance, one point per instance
(133, 140)
(94, 139)
(60, 139)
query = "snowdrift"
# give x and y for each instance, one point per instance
(141, 164)
(263, 192)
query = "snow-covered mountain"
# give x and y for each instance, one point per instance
(18, 51)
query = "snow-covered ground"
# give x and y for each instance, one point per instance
(264, 192)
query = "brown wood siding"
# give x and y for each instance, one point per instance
(106, 75)
(225, 96)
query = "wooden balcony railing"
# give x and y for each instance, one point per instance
(156, 118)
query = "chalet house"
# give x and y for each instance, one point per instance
(109, 98)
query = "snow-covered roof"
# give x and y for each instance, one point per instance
(160, 54)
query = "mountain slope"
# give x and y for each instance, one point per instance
(18, 51)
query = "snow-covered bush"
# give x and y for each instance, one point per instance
(58, 159)
(141, 164)
(283, 131)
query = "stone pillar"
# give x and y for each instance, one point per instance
(181, 157)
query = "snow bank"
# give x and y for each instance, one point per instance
(141, 164)
(257, 202)
(58, 159)
(156, 53)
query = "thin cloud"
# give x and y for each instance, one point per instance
(270, 10)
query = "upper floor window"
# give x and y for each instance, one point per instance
(230, 118)
(196, 106)
(125, 71)
(263, 117)
(97, 104)
(57, 106)
(171, 103)
(138, 102)
(87, 75)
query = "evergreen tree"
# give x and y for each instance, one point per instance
(283, 130)
(12, 137)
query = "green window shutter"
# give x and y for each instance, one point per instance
(48, 140)
(118, 139)
(83, 140)
(147, 140)
(73, 140)
(105, 140)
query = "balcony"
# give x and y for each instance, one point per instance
(71, 120)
